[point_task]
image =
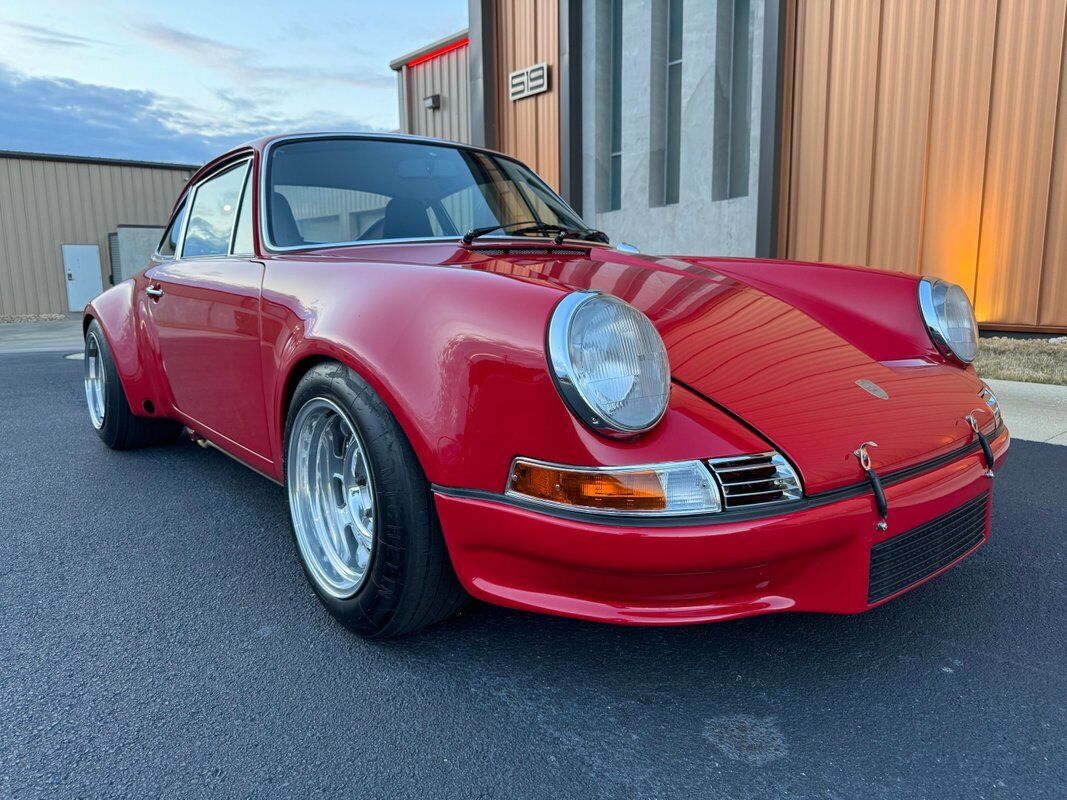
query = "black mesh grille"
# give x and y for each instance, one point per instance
(906, 559)
(530, 251)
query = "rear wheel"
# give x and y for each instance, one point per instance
(361, 510)
(109, 410)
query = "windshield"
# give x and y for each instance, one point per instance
(331, 191)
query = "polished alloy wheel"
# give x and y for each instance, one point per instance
(95, 380)
(331, 497)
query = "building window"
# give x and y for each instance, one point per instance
(673, 144)
(733, 100)
(665, 103)
(615, 167)
(609, 105)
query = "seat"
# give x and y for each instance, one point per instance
(285, 231)
(406, 218)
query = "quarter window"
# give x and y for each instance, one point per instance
(212, 215)
(168, 246)
(242, 236)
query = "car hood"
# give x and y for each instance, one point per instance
(813, 395)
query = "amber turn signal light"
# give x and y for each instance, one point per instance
(625, 491)
(682, 488)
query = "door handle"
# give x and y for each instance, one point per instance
(154, 291)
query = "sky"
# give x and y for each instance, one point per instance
(183, 81)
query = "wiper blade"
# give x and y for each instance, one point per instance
(474, 233)
(532, 226)
(585, 234)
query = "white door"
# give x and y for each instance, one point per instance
(81, 264)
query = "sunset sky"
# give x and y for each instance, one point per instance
(180, 82)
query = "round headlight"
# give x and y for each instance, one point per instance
(609, 362)
(949, 319)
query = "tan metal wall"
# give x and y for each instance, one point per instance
(45, 204)
(930, 136)
(527, 33)
(447, 76)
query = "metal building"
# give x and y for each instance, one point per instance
(56, 214)
(927, 136)
(434, 89)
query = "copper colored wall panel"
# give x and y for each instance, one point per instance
(1052, 309)
(956, 149)
(929, 136)
(808, 132)
(850, 131)
(527, 33)
(900, 133)
(1019, 160)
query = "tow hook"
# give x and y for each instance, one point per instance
(876, 484)
(987, 451)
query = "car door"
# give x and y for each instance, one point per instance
(204, 304)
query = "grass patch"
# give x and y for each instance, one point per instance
(1032, 360)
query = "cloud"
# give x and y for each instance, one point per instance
(189, 45)
(244, 64)
(50, 37)
(64, 116)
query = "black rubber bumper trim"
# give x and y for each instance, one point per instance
(737, 515)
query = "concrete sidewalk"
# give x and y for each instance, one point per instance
(1033, 411)
(59, 336)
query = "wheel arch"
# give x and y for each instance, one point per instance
(316, 352)
(115, 312)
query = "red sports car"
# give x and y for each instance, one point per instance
(466, 391)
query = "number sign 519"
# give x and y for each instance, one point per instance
(525, 82)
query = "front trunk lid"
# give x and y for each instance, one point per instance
(814, 396)
(810, 393)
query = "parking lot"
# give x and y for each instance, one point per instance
(157, 638)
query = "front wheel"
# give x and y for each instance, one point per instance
(361, 510)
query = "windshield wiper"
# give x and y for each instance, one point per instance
(585, 234)
(532, 226)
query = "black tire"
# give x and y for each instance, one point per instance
(410, 581)
(121, 429)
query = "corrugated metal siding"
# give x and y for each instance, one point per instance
(527, 33)
(46, 204)
(447, 76)
(928, 136)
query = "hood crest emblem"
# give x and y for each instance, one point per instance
(873, 388)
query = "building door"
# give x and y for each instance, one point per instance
(81, 265)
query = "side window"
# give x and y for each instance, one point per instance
(212, 215)
(242, 236)
(168, 246)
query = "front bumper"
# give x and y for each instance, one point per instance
(813, 559)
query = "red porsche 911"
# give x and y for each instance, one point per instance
(467, 391)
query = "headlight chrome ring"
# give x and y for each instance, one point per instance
(609, 363)
(949, 319)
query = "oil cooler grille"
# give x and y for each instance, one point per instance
(756, 480)
(907, 558)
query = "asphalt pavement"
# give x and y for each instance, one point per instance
(157, 639)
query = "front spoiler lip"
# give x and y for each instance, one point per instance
(737, 515)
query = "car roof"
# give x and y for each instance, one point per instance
(262, 144)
